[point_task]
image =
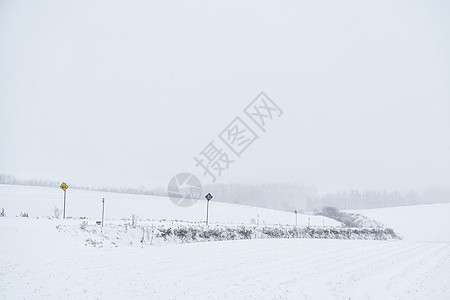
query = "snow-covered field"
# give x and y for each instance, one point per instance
(38, 262)
(40, 202)
(429, 222)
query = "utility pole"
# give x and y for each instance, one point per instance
(103, 211)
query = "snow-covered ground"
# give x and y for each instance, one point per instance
(40, 202)
(38, 262)
(429, 222)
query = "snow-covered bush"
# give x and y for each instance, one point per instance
(165, 233)
(134, 221)
(56, 213)
(83, 225)
(245, 233)
(349, 219)
(142, 235)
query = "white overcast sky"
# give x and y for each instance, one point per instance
(126, 93)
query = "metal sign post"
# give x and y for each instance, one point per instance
(295, 212)
(103, 211)
(64, 187)
(64, 212)
(208, 198)
(207, 211)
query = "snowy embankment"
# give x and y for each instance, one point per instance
(113, 235)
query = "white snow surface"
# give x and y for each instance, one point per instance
(429, 222)
(40, 201)
(38, 262)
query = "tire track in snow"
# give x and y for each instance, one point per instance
(327, 268)
(373, 275)
(429, 273)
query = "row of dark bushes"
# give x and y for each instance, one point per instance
(146, 235)
(222, 233)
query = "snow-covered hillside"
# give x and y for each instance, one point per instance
(40, 202)
(429, 222)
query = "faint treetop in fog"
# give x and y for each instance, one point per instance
(277, 196)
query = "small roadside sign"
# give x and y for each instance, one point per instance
(295, 211)
(64, 186)
(208, 197)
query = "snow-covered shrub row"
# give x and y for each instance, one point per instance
(142, 235)
(349, 219)
(364, 221)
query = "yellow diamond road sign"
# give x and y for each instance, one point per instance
(295, 211)
(64, 186)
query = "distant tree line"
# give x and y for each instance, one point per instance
(376, 199)
(9, 179)
(294, 196)
(277, 196)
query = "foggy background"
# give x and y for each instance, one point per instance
(126, 93)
